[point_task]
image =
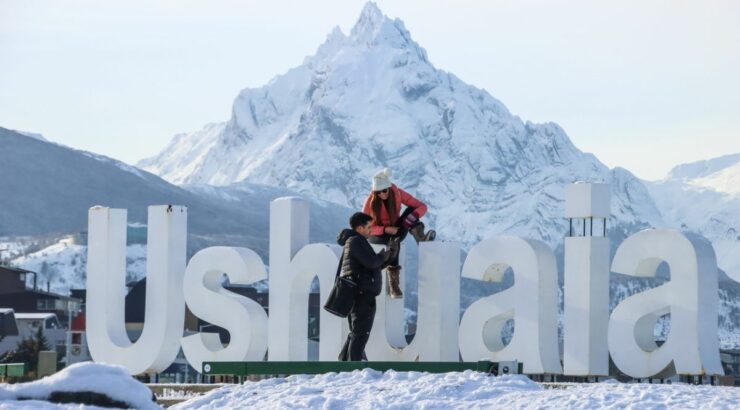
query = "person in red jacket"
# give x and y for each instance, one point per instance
(384, 205)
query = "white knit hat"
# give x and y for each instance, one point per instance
(382, 180)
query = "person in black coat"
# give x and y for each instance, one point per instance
(361, 263)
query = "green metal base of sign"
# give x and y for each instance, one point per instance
(275, 368)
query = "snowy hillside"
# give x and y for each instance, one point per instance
(372, 99)
(63, 265)
(704, 197)
(48, 188)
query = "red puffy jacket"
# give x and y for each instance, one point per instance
(405, 198)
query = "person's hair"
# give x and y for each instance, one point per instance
(390, 207)
(359, 219)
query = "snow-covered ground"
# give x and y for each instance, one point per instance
(111, 381)
(369, 389)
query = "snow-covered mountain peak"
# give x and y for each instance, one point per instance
(370, 21)
(372, 100)
(373, 32)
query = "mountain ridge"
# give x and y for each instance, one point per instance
(50, 188)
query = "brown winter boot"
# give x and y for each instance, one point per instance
(417, 231)
(393, 282)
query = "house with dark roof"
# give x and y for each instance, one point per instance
(17, 295)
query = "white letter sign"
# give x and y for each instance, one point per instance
(293, 265)
(531, 302)
(106, 283)
(243, 318)
(439, 307)
(690, 297)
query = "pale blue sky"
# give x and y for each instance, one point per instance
(641, 84)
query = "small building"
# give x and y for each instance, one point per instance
(15, 294)
(29, 323)
(55, 333)
(13, 279)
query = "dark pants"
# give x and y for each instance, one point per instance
(402, 232)
(361, 319)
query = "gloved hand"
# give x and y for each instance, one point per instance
(410, 220)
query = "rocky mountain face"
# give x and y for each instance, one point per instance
(372, 99)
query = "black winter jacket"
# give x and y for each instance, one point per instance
(360, 261)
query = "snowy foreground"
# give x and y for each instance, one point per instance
(369, 389)
(112, 382)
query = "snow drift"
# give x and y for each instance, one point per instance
(369, 389)
(105, 382)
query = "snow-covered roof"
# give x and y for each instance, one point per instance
(21, 316)
(5, 310)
